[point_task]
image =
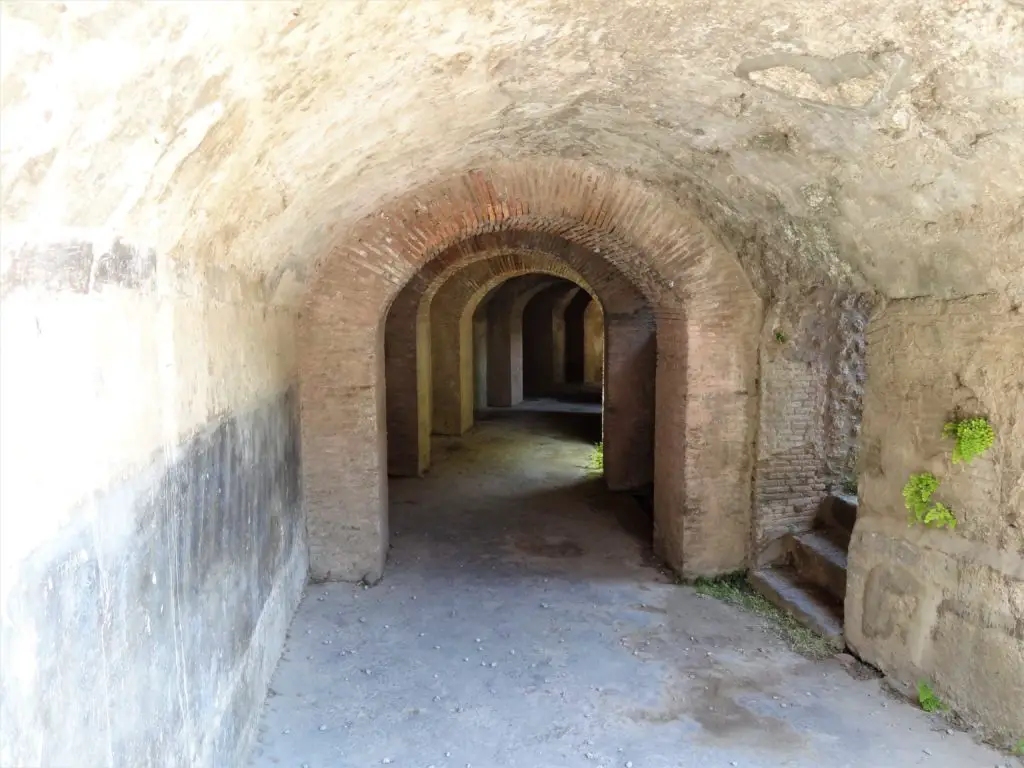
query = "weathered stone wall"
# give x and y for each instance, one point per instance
(153, 547)
(847, 323)
(851, 151)
(947, 606)
(811, 383)
(882, 154)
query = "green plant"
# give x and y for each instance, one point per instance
(1019, 748)
(927, 698)
(597, 458)
(917, 496)
(973, 437)
(735, 589)
(849, 485)
(780, 336)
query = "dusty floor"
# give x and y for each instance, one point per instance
(520, 623)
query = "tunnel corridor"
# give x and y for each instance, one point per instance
(524, 621)
(311, 308)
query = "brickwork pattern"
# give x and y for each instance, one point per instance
(791, 479)
(575, 338)
(449, 385)
(707, 318)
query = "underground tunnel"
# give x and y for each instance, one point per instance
(400, 383)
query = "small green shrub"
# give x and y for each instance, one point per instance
(973, 437)
(917, 496)
(939, 516)
(781, 337)
(927, 698)
(597, 458)
(1019, 749)
(917, 493)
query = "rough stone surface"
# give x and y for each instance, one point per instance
(811, 388)
(146, 633)
(521, 623)
(944, 605)
(828, 139)
(722, 159)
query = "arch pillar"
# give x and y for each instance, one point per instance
(408, 393)
(505, 339)
(540, 359)
(703, 446)
(593, 344)
(451, 356)
(480, 359)
(558, 350)
(575, 339)
(628, 400)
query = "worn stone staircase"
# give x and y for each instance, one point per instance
(808, 580)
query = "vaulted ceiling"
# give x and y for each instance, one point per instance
(878, 146)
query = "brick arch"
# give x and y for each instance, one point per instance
(543, 315)
(707, 318)
(451, 318)
(559, 332)
(410, 343)
(407, 326)
(504, 318)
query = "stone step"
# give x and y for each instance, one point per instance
(810, 605)
(819, 557)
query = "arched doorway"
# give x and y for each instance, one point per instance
(617, 236)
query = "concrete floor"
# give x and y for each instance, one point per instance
(521, 623)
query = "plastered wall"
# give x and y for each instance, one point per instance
(153, 546)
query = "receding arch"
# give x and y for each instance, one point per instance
(438, 396)
(706, 313)
(451, 316)
(504, 313)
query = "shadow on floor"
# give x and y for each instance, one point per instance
(518, 493)
(571, 421)
(520, 624)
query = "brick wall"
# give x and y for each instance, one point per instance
(791, 479)
(628, 238)
(443, 324)
(812, 371)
